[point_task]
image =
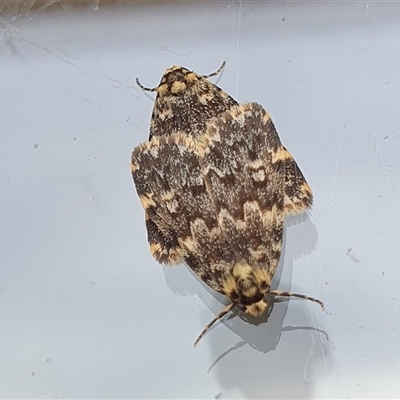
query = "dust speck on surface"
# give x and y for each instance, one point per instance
(33, 373)
(35, 146)
(49, 360)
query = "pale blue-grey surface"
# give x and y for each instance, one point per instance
(85, 312)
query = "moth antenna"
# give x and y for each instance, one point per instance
(146, 88)
(216, 72)
(300, 296)
(223, 312)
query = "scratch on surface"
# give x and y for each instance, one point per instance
(238, 20)
(391, 352)
(388, 182)
(393, 299)
(316, 319)
(120, 85)
(361, 213)
(378, 132)
(352, 256)
(58, 54)
(376, 154)
(336, 167)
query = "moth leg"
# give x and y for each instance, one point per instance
(298, 194)
(216, 72)
(222, 313)
(300, 296)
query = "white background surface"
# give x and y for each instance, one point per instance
(84, 309)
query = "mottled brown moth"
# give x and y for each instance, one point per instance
(216, 184)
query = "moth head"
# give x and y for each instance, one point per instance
(256, 309)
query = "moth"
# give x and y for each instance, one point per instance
(216, 183)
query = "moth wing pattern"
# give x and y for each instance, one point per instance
(170, 185)
(244, 171)
(221, 198)
(298, 198)
(298, 194)
(163, 245)
(185, 102)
